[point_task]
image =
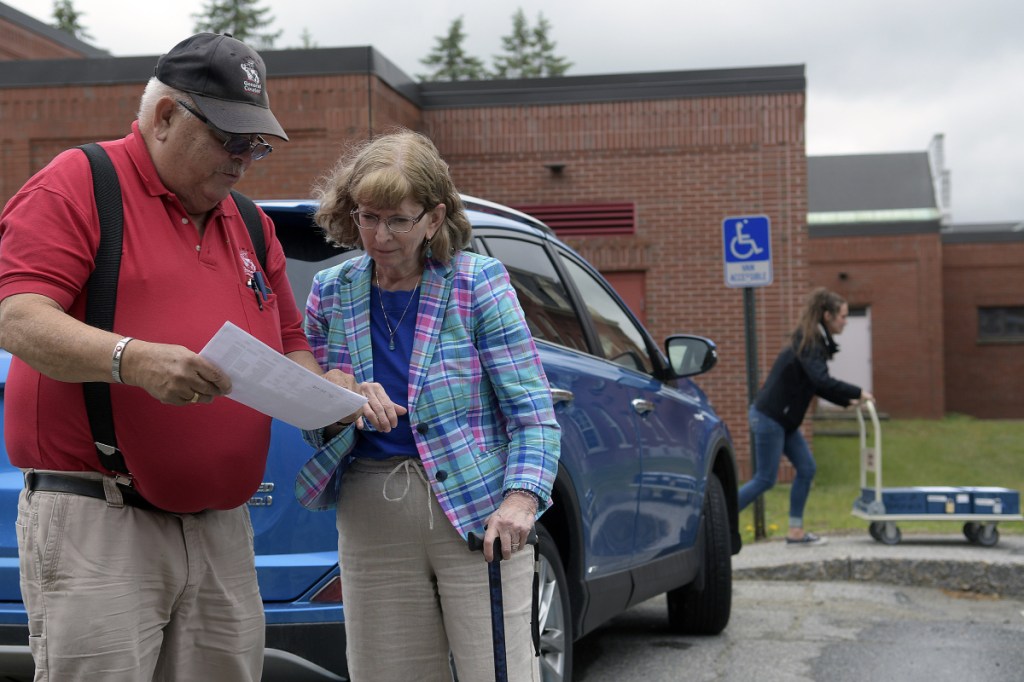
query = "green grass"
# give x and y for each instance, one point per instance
(955, 451)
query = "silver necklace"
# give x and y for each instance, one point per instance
(380, 299)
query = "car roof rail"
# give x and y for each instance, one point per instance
(470, 203)
(483, 206)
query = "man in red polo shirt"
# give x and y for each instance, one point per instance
(150, 574)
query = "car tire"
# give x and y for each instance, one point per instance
(696, 609)
(555, 613)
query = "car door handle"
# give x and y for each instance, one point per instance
(641, 406)
(560, 395)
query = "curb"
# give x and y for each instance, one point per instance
(942, 561)
(965, 576)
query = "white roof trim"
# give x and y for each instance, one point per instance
(895, 215)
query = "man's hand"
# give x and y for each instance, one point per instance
(172, 374)
(37, 330)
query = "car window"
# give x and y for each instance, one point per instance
(622, 341)
(545, 301)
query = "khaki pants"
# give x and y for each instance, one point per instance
(413, 592)
(122, 594)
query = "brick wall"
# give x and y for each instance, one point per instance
(687, 164)
(982, 380)
(17, 42)
(38, 123)
(900, 278)
(320, 114)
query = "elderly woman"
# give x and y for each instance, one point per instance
(437, 339)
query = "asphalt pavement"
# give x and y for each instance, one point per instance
(944, 561)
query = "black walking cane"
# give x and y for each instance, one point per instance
(476, 543)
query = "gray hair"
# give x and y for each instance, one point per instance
(154, 92)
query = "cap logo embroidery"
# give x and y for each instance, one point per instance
(252, 78)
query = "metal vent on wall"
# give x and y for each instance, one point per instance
(572, 219)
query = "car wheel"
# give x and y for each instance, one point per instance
(555, 616)
(696, 609)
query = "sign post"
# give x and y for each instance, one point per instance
(746, 245)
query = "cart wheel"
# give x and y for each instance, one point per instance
(890, 534)
(988, 535)
(971, 531)
(875, 530)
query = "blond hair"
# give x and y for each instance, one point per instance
(383, 172)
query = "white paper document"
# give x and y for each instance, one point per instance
(267, 381)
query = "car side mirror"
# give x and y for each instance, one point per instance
(690, 355)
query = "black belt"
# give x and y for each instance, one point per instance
(87, 487)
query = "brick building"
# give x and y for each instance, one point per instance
(943, 303)
(681, 150)
(22, 37)
(636, 171)
(983, 303)
(874, 224)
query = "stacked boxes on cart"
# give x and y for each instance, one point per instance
(946, 500)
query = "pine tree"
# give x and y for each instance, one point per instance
(449, 60)
(307, 39)
(529, 52)
(517, 60)
(241, 18)
(67, 18)
(544, 51)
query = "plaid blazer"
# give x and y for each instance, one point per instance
(479, 402)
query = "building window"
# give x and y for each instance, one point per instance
(1001, 324)
(585, 219)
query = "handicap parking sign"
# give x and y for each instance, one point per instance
(746, 244)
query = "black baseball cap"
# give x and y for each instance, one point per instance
(227, 80)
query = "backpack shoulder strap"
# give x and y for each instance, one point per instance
(101, 298)
(102, 293)
(251, 216)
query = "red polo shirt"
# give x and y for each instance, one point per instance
(173, 288)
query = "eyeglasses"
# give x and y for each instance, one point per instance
(396, 223)
(236, 145)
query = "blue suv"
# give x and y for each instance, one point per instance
(644, 500)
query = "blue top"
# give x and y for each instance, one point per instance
(391, 370)
(481, 411)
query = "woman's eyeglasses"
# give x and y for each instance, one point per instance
(396, 223)
(236, 145)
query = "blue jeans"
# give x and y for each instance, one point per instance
(770, 442)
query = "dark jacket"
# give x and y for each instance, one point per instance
(796, 379)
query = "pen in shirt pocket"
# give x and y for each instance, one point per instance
(261, 282)
(259, 288)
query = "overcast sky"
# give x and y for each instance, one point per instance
(882, 75)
